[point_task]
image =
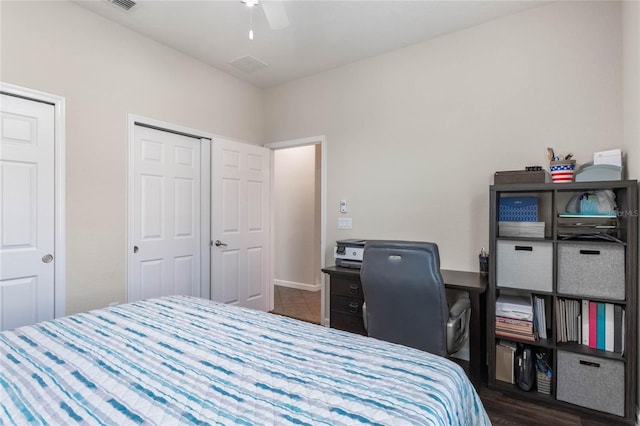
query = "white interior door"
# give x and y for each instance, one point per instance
(240, 257)
(27, 212)
(165, 232)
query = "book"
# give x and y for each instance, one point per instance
(600, 328)
(608, 327)
(563, 319)
(512, 327)
(617, 328)
(585, 322)
(514, 321)
(516, 335)
(540, 321)
(623, 331)
(577, 323)
(593, 316)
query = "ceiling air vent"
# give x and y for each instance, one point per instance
(125, 5)
(248, 64)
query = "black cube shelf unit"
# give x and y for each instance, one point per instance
(579, 259)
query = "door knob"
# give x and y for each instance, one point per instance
(219, 243)
(47, 258)
(135, 249)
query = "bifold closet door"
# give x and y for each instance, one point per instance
(165, 227)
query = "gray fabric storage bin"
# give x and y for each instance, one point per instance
(591, 382)
(525, 264)
(591, 270)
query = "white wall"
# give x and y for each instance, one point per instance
(105, 72)
(414, 136)
(295, 250)
(631, 79)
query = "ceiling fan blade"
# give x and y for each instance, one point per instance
(275, 13)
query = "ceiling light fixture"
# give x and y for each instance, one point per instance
(250, 4)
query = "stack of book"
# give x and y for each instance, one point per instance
(514, 317)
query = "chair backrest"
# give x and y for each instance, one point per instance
(405, 294)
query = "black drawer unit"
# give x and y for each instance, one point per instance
(345, 300)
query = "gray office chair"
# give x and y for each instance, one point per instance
(405, 298)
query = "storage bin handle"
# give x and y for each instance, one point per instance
(354, 307)
(589, 251)
(353, 289)
(590, 364)
(524, 248)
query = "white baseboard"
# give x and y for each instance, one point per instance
(299, 286)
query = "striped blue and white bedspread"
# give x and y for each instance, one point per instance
(183, 360)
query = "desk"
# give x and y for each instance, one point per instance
(346, 305)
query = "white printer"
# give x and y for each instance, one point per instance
(349, 253)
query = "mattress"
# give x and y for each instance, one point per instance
(184, 360)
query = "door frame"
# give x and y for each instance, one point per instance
(292, 143)
(205, 193)
(59, 140)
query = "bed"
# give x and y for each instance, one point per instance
(184, 360)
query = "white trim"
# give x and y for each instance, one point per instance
(205, 194)
(313, 140)
(59, 260)
(299, 286)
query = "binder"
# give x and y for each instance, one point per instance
(600, 332)
(617, 328)
(608, 327)
(585, 322)
(593, 316)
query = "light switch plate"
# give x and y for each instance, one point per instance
(343, 206)
(345, 223)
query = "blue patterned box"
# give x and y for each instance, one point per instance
(518, 209)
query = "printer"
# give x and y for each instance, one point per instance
(349, 253)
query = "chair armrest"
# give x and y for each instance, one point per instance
(364, 315)
(460, 304)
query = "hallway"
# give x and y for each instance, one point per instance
(300, 304)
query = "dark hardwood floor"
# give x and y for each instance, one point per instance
(503, 409)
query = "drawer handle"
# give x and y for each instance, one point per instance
(524, 248)
(590, 364)
(354, 288)
(354, 307)
(589, 251)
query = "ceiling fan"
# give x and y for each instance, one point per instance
(273, 10)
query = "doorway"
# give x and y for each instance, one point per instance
(298, 224)
(32, 255)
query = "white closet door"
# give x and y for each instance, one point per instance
(27, 212)
(165, 259)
